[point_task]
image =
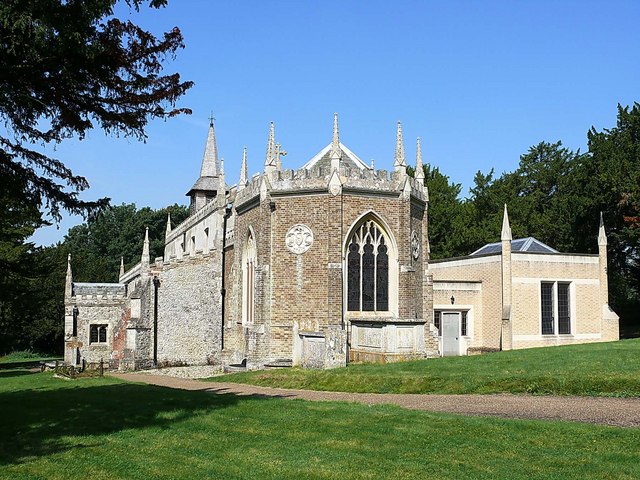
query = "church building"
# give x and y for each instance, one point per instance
(326, 265)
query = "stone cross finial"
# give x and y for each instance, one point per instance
(244, 174)
(270, 160)
(279, 153)
(336, 151)
(506, 228)
(419, 170)
(602, 235)
(210, 157)
(399, 163)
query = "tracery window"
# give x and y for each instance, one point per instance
(368, 269)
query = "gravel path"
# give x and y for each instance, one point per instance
(621, 412)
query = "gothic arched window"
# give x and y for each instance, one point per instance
(368, 269)
(248, 279)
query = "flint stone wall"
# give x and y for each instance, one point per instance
(190, 311)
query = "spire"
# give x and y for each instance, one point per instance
(506, 228)
(210, 157)
(68, 286)
(602, 236)
(336, 152)
(168, 231)
(243, 170)
(270, 160)
(399, 162)
(145, 249)
(419, 170)
(121, 267)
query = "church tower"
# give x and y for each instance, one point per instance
(206, 187)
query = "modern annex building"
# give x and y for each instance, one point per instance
(325, 265)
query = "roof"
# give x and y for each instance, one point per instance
(528, 244)
(323, 159)
(208, 184)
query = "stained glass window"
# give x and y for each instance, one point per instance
(367, 270)
(353, 276)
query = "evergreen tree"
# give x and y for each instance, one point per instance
(67, 67)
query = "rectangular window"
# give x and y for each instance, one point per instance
(437, 314)
(98, 334)
(564, 317)
(463, 325)
(555, 308)
(546, 292)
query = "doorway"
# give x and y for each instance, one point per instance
(450, 334)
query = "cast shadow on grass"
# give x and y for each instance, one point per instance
(38, 422)
(228, 391)
(16, 373)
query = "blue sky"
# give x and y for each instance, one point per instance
(479, 82)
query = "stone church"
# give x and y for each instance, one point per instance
(323, 266)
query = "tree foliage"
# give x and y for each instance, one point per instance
(67, 67)
(32, 298)
(115, 232)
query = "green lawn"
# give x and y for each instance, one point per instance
(25, 356)
(609, 369)
(102, 428)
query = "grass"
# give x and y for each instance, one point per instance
(597, 369)
(102, 428)
(25, 356)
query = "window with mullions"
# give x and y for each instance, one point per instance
(555, 311)
(98, 334)
(368, 270)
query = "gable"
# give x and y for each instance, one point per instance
(323, 159)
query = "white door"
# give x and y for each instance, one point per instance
(450, 333)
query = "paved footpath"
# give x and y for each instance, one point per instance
(622, 412)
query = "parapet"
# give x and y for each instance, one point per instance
(316, 180)
(99, 289)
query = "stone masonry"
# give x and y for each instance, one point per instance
(318, 267)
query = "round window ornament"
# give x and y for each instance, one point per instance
(415, 245)
(299, 239)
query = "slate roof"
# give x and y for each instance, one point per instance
(323, 159)
(208, 184)
(528, 244)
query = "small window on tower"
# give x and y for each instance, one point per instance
(97, 334)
